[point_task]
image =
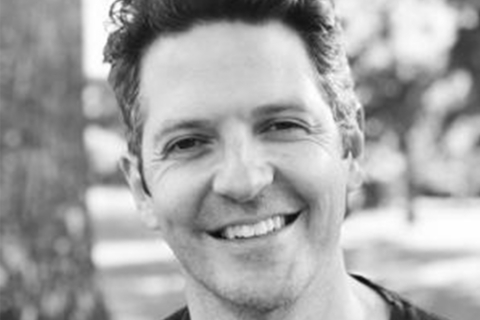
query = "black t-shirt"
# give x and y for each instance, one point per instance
(400, 309)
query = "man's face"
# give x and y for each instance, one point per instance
(243, 161)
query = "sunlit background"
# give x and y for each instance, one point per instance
(414, 225)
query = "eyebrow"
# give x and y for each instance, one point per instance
(280, 107)
(171, 126)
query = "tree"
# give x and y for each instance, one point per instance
(45, 236)
(404, 53)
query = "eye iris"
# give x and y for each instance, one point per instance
(284, 126)
(186, 144)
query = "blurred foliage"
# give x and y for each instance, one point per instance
(418, 74)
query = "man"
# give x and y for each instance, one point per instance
(244, 135)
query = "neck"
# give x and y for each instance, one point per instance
(331, 295)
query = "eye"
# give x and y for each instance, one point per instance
(284, 125)
(286, 129)
(186, 145)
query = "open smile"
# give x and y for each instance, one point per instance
(259, 229)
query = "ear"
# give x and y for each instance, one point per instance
(353, 144)
(355, 175)
(129, 164)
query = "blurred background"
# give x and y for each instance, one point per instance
(71, 245)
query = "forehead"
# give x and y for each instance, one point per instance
(225, 64)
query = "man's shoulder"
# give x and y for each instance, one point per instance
(181, 314)
(400, 308)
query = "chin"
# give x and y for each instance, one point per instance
(261, 298)
(259, 303)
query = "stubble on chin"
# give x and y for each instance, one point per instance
(248, 302)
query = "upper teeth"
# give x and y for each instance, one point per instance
(258, 229)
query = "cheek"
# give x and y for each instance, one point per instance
(320, 180)
(313, 172)
(321, 183)
(177, 194)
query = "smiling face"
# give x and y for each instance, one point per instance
(243, 160)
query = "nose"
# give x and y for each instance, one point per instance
(243, 174)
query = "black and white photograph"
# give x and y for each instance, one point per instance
(239, 160)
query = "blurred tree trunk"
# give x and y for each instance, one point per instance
(409, 180)
(45, 237)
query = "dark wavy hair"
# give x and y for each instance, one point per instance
(139, 22)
